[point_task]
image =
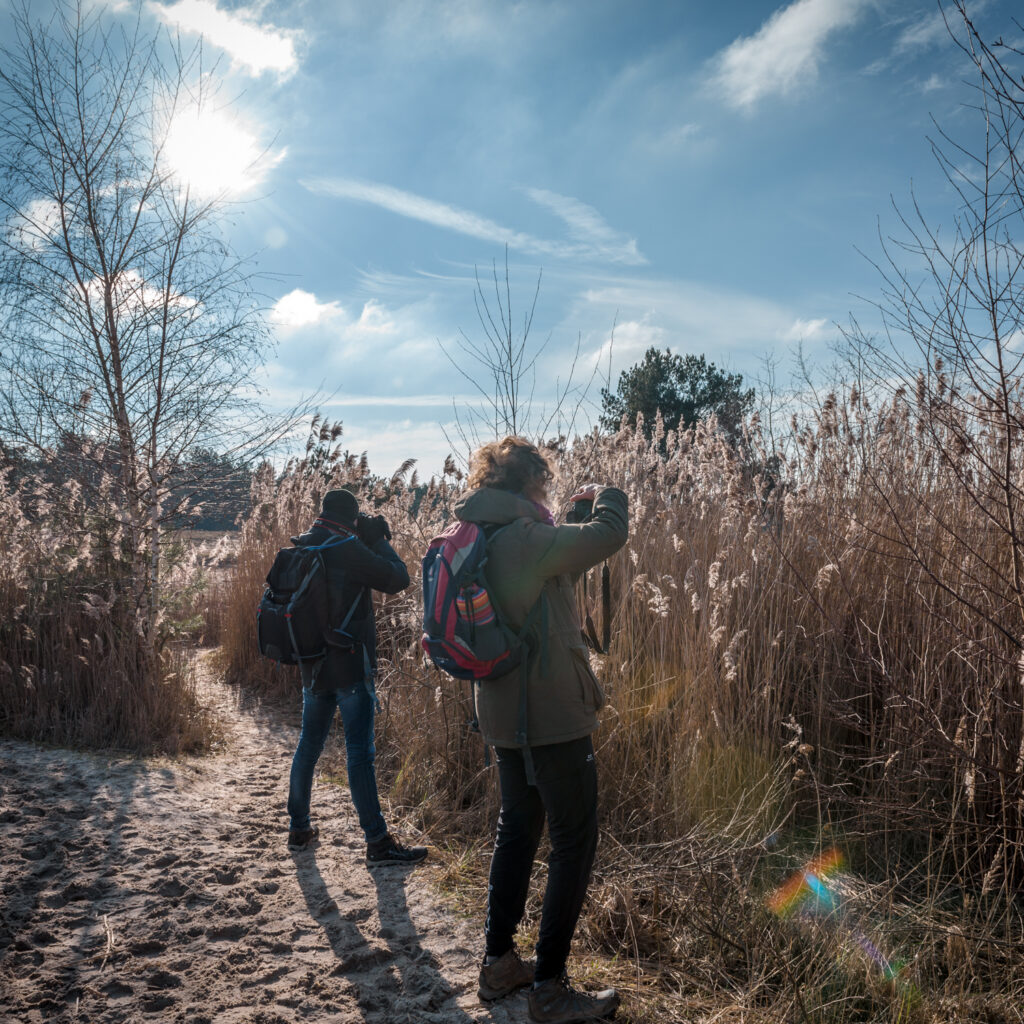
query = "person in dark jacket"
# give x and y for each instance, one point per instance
(360, 561)
(553, 775)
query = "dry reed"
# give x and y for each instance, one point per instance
(74, 667)
(788, 671)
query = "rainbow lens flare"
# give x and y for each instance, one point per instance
(810, 881)
(809, 892)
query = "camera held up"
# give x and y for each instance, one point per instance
(371, 528)
(581, 511)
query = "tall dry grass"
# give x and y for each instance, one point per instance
(74, 669)
(824, 655)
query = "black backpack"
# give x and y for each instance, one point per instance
(293, 619)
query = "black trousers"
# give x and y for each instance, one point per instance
(565, 793)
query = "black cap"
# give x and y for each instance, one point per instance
(340, 506)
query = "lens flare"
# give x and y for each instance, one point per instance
(809, 881)
(812, 892)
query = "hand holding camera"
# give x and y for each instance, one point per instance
(372, 528)
(582, 504)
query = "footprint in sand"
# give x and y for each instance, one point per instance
(157, 1003)
(172, 888)
(206, 919)
(117, 990)
(147, 947)
(226, 933)
(162, 979)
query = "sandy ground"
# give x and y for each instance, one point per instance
(163, 890)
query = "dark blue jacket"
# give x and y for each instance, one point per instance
(351, 567)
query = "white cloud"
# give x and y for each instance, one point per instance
(784, 53)
(374, 320)
(695, 316)
(276, 237)
(500, 33)
(133, 296)
(1014, 341)
(587, 225)
(734, 329)
(302, 309)
(805, 330)
(411, 401)
(930, 31)
(442, 215)
(628, 342)
(254, 48)
(34, 226)
(390, 442)
(688, 136)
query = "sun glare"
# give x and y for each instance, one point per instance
(212, 153)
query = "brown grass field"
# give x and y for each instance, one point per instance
(821, 658)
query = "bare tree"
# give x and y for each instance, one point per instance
(130, 331)
(945, 454)
(502, 366)
(954, 335)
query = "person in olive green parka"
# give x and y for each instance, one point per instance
(531, 569)
(532, 556)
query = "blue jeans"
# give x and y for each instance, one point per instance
(356, 706)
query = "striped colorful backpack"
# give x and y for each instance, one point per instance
(462, 630)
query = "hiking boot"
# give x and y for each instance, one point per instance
(299, 839)
(390, 851)
(506, 974)
(557, 1002)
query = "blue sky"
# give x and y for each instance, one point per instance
(700, 175)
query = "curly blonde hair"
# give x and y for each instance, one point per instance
(511, 464)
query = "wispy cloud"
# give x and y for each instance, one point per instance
(611, 246)
(687, 315)
(587, 226)
(784, 53)
(928, 31)
(806, 330)
(410, 401)
(675, 138)
(253, 47)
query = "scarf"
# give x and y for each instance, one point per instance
(545, 512)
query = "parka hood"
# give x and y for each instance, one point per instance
(491, 505)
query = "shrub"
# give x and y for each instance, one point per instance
(75, 668)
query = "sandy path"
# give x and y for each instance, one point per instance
(163, 890)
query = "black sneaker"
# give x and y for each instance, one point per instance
(390, 851)
(299, 839)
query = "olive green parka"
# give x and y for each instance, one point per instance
(531, 556)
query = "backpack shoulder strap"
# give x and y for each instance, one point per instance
(351, 611)
(332, 542)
